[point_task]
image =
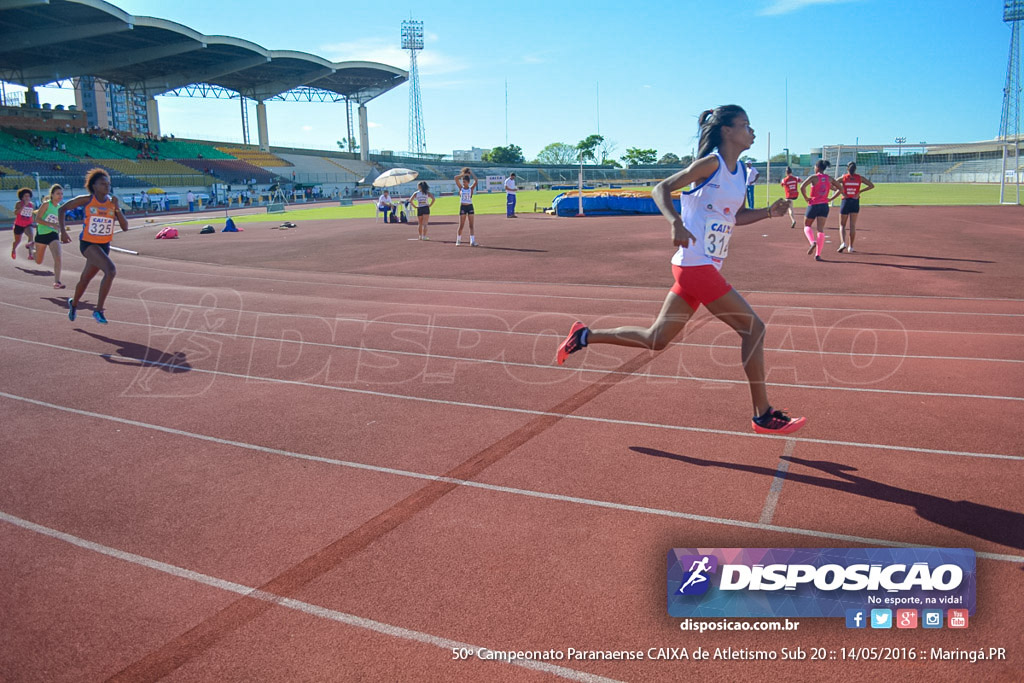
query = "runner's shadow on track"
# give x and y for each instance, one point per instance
(924, 258)
(982, 521)
(32, 271)
(140, 355)
(904, 266)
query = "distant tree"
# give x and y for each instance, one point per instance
(668, 159)
(612, 163)
(557, 154)
(513, 154)
(344, 145)
(635, 155)
(586, 148)
(686, 159)
(746, 158)
(604, 152)
(780, 158)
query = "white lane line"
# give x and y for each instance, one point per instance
(652, 302)
(536, 366)
(289, 603)
(526, 411)
(534, 283)
(768, 511)
(495, 487)
(556, 296)
(538, 335)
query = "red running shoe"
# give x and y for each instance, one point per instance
(572, 343)
(777, 422)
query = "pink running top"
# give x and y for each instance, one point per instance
(819, 188)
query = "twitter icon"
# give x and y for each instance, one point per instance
(881, 618)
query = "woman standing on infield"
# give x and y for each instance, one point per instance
(47, 237)
(466, 190)
(23, 211)
(817, 205)
(423, 200)
(791, 184)
(101, 212)
(710, 212)
(850, 206)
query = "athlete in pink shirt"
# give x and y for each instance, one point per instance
(821, 184)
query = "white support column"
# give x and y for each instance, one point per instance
(364, 134)
(261, 125)
(153, 115)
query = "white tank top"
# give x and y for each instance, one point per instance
(421, 198)
(466, 195)
(709, 213)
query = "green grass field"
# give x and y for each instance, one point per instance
(891, 194)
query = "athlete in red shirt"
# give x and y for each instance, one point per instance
(791, 184)
(850, 207)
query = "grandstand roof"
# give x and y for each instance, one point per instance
(42, 41)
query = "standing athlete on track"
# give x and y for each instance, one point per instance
(791, 184)
(850, 206)
(101, 212)
(817, 205)
(466, 190)
(710, 212)
(423, 199)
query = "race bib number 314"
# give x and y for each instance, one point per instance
(716, 237)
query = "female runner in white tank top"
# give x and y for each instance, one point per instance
(711, 211)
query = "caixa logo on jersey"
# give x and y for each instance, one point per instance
(816, 582)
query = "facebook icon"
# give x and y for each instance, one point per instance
(856, 618)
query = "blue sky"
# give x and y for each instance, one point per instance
(866, 70)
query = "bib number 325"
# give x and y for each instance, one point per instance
(717, 234)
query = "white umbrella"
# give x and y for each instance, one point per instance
(395, 176)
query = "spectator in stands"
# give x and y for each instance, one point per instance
(23, 212)
(466, 189)
(102, 210)
(385, 206)
(47, 237)
(510, 196)
(752, 176)
(817, 205)
(423, 200)
(849, 208)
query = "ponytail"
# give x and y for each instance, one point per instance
(711, 122)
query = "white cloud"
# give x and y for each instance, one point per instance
(307, 128)
(373, 124)
(787, 6)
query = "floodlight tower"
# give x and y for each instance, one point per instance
(1009, 121)
(412, 40)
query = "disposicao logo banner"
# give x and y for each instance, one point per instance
(816, 582)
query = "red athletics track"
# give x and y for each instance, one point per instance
(331, 453)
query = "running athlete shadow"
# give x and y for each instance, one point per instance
(131, 353)
(923, 258)
(982, 521)
(33, 271)
(903, 266)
